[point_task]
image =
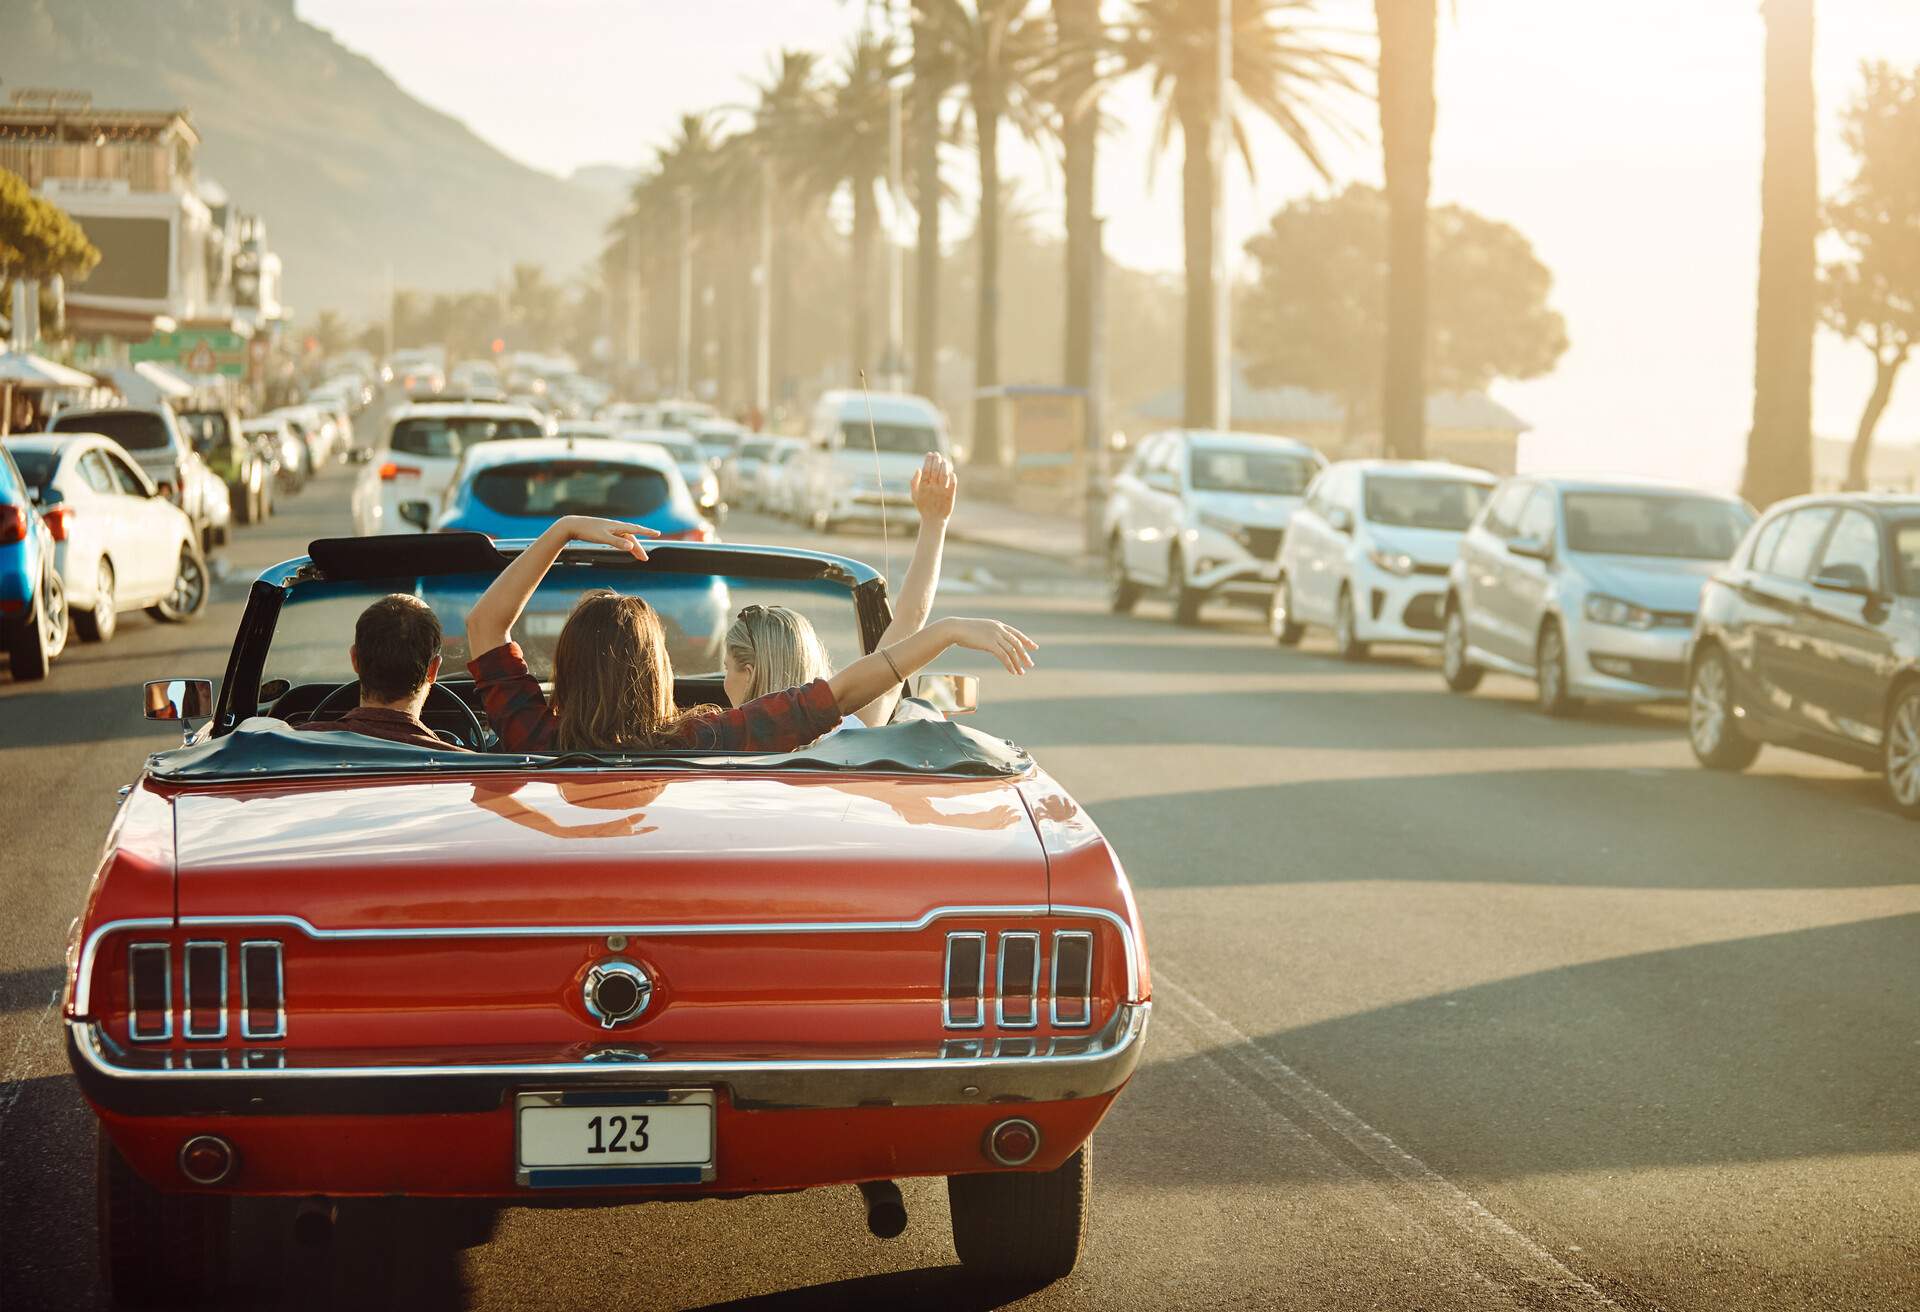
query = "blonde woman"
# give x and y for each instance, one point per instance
(768, 648)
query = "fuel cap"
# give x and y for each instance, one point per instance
(616, 992)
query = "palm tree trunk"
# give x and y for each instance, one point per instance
(1780, 447)
(1861, 456)
(986, 333)
(865, 219)
(1407, 39)
(1078, 22)
(781, 332)
(1197, 213)
(926, 184)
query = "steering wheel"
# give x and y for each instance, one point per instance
(347, 696)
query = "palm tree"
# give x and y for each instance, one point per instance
(1780, 447)
(1078, 24)
(663, 210)
(997, 47)
(1281, 69)
(1407, 40)
(933, 78)
(789, 104)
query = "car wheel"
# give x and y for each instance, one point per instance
(1022, 1228)
(1713, 731)
(1186, 600)
(97, 625)
(37, 637)
(1122, 592)
(1346, 629)
(1461, 674)
(157, 1249)
(189, 594)
(1286, 630)
(243, 506)
(1550, 672)
(1900, 748)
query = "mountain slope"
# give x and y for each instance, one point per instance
(349, 170)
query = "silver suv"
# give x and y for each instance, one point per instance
(1588, 588)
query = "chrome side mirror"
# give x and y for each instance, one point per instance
(417, 513)
(180, 700)
(950, 694)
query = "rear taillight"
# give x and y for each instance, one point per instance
(263, 1000)
(963, 1000)
(1016, 1002)
(13, 525)
(391, 471)
(1071, 988)
(58, 520)
(206, 980)
(207, 1001)
(150, 992)
(698, 533)
(1023, 961)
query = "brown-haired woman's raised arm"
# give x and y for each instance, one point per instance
(491, 620)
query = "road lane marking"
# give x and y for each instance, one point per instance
(14, 1078)
(1467, 1214)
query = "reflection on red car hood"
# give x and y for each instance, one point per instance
(605, 849)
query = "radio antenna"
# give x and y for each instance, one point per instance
(879, 483)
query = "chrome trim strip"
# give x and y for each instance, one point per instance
(1085, 993)
(186, 988)
(1079, 1066)
(979, 939)
(83, 986)
(133, 1001)
(279, 1030)
(1032, 993)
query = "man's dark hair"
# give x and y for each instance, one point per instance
(397, 637)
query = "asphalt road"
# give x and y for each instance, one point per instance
(1456, 1007)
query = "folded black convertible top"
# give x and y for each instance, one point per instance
(265, 748)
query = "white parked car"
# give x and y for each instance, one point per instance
(152, 437)
(862, 451)
(1199, 514)
(423, 444)
(774, 490)
(1588, 588)
(119, 545)
(739, 472)
(1368, 553)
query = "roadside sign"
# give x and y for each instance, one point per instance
(200, 359)
(197, 350)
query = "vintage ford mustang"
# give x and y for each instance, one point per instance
(316, 965)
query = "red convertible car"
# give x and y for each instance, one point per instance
(318, 966)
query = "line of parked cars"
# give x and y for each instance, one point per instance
(116, 509)
(1799, 627)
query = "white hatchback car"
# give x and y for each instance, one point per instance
(1588, 588)
(1368, 554)
(412, 467)
(1199, 514)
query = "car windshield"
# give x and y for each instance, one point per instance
(315, 625)
(755, 450)
(448, 436)
(894, 439)
(1402, 501)
(1654, 524)
(135, 430)
(548, 489)
(36, 467)
(1235, 469)
(1906, 555)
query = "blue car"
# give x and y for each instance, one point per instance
(516, 488)
(33, 601)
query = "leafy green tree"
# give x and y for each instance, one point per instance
(38, 239)
(1315, 313)
(1283, 69)
(1871, 295)
(1407, 40)
(1780, 445)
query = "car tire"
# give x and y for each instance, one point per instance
(1713, 731)
(1022, 1228)
(191, 587)
(1123, 594)
(97, 625)
(1186, 600)
(157, 1250)
(1286, 630)
(40, 635)
(1461, 674)
(1550, 672)
(1346, 629)
(243, 506)
(1900, 750)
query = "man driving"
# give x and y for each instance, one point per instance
(396, 654)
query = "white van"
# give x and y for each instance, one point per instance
(862, 450)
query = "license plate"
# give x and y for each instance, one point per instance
(579, 1139)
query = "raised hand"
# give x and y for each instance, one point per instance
(934, 487)
(1005, 643)
(610, 533)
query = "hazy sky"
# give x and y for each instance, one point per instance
(1623, 139)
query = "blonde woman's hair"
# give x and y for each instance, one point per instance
(779, 646)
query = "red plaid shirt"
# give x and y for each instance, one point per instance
(778, 722)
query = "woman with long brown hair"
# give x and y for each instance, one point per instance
(613, 680)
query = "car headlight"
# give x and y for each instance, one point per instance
(1602, 609)
(1393, 562)
(1220, 524)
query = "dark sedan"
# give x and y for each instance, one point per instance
(1810, 638)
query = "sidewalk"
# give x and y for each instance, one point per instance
(996, 524)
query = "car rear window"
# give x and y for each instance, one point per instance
(1229, 469)
(35, 466)
(1643, 524)
(448, 437)
(551, 488)
(896, 439)
(134, 430)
